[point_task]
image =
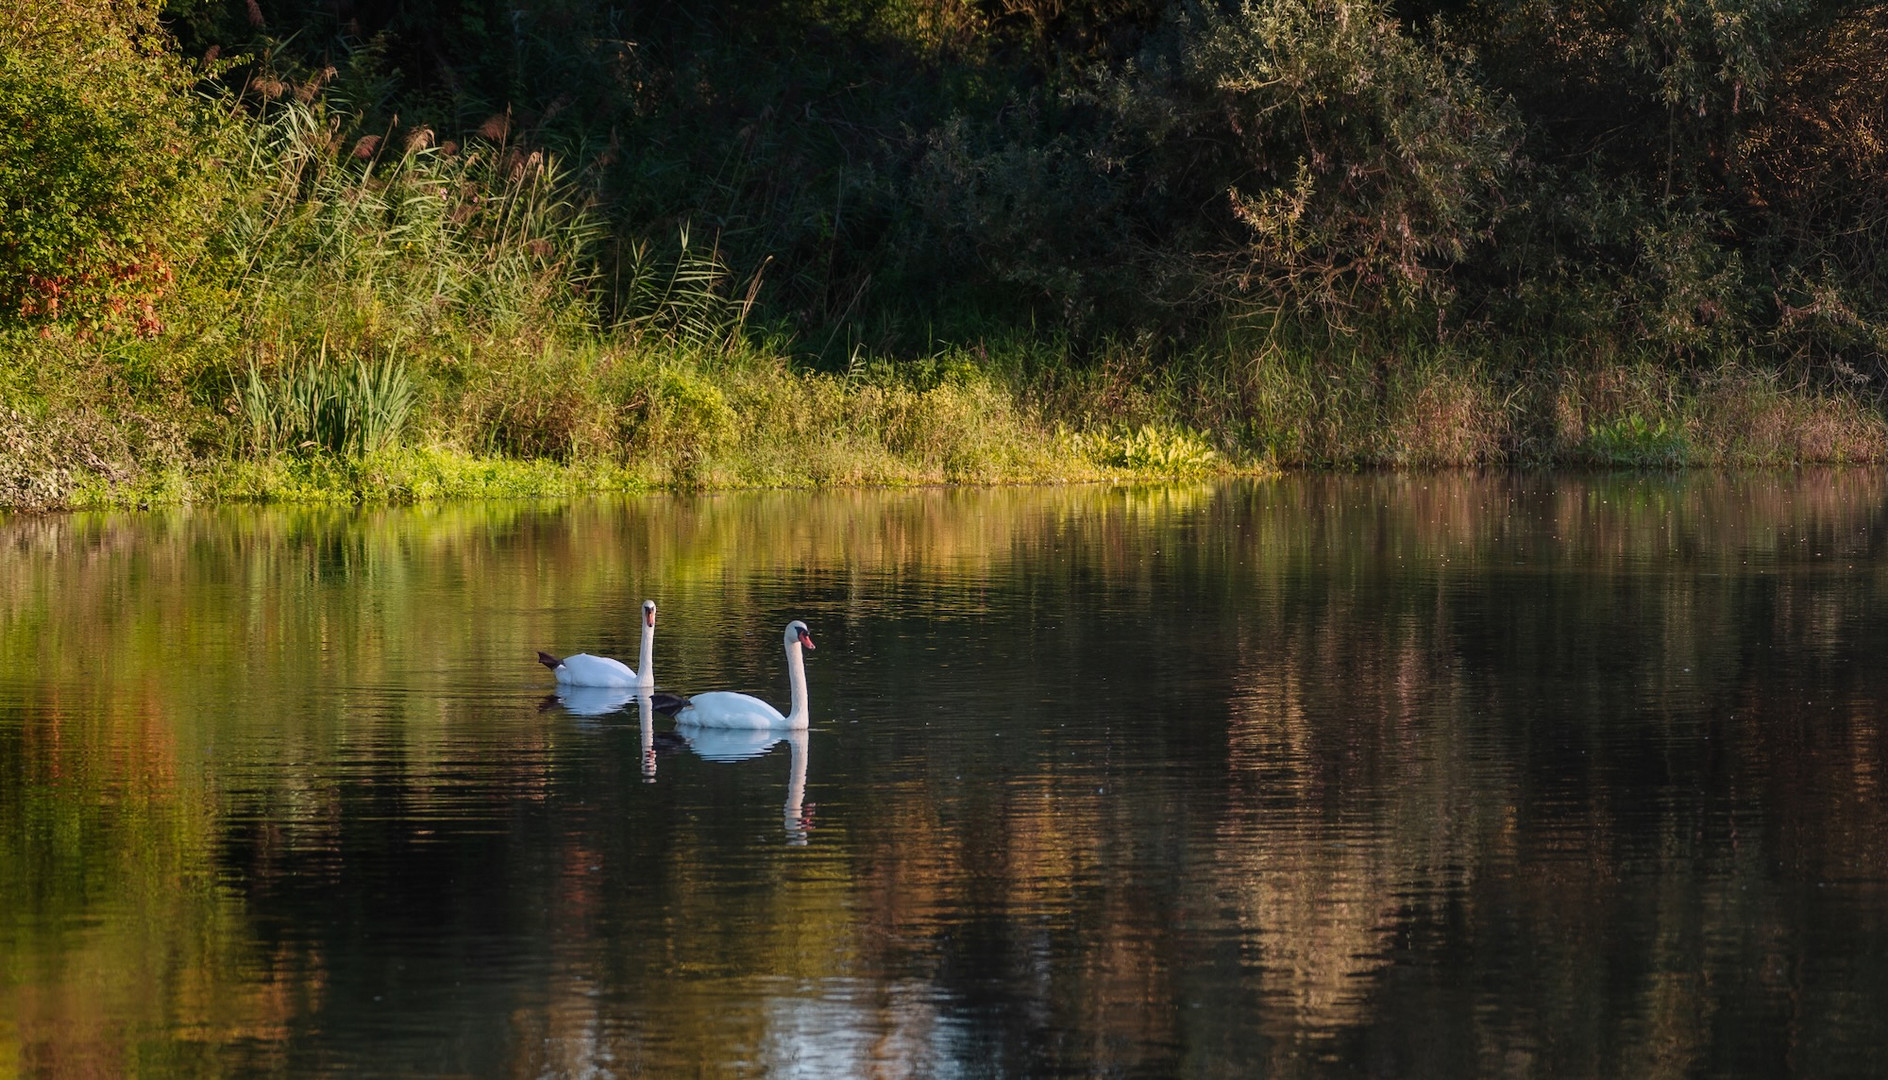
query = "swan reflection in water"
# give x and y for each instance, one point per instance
(740, 744)
(594, 700)
(717, 744)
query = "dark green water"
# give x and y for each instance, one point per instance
(1399, 776)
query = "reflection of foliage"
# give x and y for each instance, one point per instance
(101, 829)
(1413, 767)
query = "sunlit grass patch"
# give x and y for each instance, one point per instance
(406, 474)
(1636, 442)
(1173, 451)
(821, 429)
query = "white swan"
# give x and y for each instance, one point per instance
(586, 670)
(724, 709)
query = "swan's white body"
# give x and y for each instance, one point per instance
(725, 709)
(586, 670)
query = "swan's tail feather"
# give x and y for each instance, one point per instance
(668, 703)
(548, 660)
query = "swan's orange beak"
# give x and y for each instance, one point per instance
(806, 639)
(649, 617)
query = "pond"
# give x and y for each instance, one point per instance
(1401, 775)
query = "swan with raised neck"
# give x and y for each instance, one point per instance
(586, 670)
(723, 708)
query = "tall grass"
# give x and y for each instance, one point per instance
(418, 320)
(410, 236)
(683, 301)
(350, 410)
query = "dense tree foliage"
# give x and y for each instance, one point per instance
(1684, 175)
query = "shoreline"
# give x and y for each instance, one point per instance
(445, 477)
(84, 426)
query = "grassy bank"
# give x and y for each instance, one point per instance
(94, 423)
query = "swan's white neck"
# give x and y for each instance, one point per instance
(796, 675)
(646, 659)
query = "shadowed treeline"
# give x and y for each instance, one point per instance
(1434, 775)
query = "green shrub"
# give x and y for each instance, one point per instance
(966, 428)
(672, 415)
(1310, 157)
(103, 148)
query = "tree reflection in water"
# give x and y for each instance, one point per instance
(1428, 775)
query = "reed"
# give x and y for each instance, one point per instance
(348, 410)
(685, 301)
(427, 239)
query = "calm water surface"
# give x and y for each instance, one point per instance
(1398, 776)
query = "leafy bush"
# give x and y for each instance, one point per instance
(102, 155)
(1299, 156)
(675, 415)
(1359, 161)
